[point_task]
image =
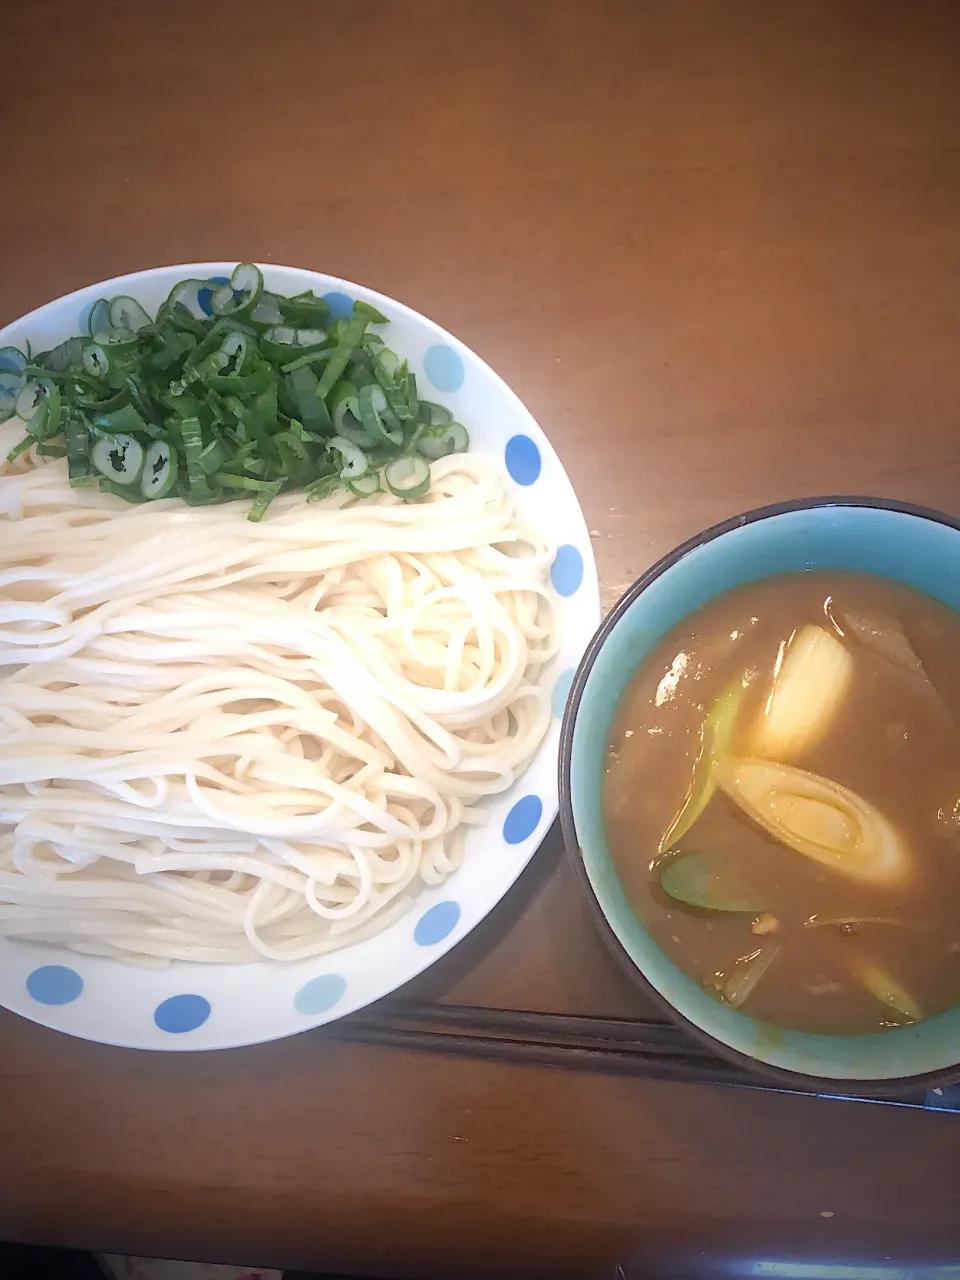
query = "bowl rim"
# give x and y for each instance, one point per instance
(887, 1087)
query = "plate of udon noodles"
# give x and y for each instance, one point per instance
(255, 776)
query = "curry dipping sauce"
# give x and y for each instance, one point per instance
(782, 800)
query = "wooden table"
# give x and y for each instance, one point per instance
(716, 249)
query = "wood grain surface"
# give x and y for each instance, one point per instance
(715, 247)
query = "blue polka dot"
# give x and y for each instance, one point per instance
(566, 572)
(205, 296)
(54, 984)
(522, 819)
(320, 994)
(561, 692)
(434, 925)
(523, 459)
(182, 1013)
(340, 304)
(444, 367)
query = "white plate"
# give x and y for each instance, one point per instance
(194, 1006)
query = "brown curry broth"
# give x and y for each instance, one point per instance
(890, 742)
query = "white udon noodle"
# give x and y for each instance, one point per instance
(223, 741)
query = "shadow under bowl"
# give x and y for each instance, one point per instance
(907, 544)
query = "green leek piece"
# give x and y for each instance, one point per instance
(886, 988)
(811, 677)
(818, 818)
(697, 880)
(740, 983)
(716, 737)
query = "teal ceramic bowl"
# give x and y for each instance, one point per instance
(908, 544)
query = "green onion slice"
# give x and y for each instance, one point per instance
(95, 360)
(365, 486)
(32, 397)
(407, 478)
(127, 313)
(305, 309)
(118, 458)
(437, 442)
(354, 460)
(187, 295)
(241, 295)
(434, 415)
(371, 402)
(266, 313)
(115, 338)
(159, 474)
(99, 317)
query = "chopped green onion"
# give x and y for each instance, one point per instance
(114, 337)
(211, 458)
(302, 383)
(95, 360)
(241, 295)
(354, 459)
(279, 343)
(434, 415)
(370, 313)
(22, 447)
(324, 487)
(159, 473)
(192, 439)
(45, 422)
(187, 295)
(78, 462)
(437, 442)
(262, 501)
(127, 313)
(11, 384)
(316, 356)
(371, 402)
(407, 478)
(99, 317)
(348, 343)
(365, 486)
(305, 309)
(244, 482)
(118, 458)
(266, 313)
(266, 393)
(31, 398)
(126, 419)
(12, 360)
(61, 357)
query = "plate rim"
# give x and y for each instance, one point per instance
(588, 603)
